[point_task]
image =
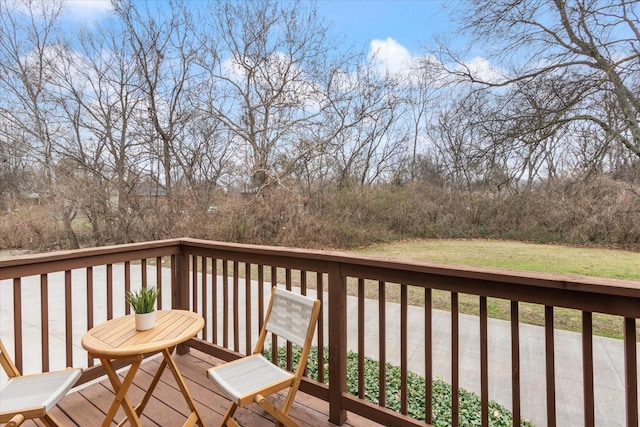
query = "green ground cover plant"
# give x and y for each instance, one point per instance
(470, 409)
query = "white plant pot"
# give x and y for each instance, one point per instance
(145, 321)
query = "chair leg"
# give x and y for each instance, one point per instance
(282, 418)
(228, 417)
(50, 421)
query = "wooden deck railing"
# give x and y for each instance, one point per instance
(379, 308)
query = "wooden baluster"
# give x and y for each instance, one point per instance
(225, 304)
(428, 355)
(361, 334)
(236, 307)
(587, 368)
(90, 305)
(515, 363)
(484, 363)
(17, 323)
(247, 321)
(205, 298)
(127, 284)
(320, 329)
(404, 350)
(382, 344)
(551, 366)
(44, 321)
(631, 372)
(455, 360)
(68, 318)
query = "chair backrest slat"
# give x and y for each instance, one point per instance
(290, 316)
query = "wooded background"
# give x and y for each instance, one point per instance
(245, 121)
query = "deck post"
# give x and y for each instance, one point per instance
(180, 290)
(337, 344)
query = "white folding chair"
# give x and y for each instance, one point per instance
(32, 396)
(252, 378)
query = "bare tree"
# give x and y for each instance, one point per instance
(457, 145)
(423, 87)
(206, 159)
(16, 163)
(268, 63)
(161, 41)
(27, 34)
(561, 63)
(99, 98)
(370, 140)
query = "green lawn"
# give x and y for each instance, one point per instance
(582, 261)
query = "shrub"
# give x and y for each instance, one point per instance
(470, 409)
(595, 211)
(32, 228)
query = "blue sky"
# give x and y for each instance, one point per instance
(398, 31)
(411, 23)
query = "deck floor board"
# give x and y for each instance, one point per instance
(87, 405)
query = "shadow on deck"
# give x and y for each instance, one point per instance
(87, 405)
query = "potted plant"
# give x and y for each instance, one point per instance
(143, 303)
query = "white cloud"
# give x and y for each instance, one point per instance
(299, 88)
(391, 55)
(484, 70)
(75, 10)
(86, 10)
(393, 58)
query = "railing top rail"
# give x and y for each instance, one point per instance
(374, 266)
(27, 265)
(370, 267)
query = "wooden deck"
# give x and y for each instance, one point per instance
(87, 405)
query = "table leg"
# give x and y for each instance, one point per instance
(152, 387)
(195, 416)
(121, 388)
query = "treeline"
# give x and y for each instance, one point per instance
(246, 121)
(596, 212)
